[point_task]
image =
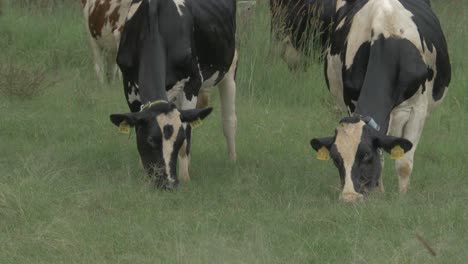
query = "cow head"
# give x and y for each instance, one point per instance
(160, 133)
(355, 151)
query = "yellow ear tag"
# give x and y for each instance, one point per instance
(196, 123)
(397, 153)
(124, 128)
(323, 154)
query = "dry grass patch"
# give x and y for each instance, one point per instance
(22, 82)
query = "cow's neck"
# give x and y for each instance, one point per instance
(376, 104)
(378, 94)
(152, 72)
(152, 94)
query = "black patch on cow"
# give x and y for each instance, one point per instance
(431, 33)
(350, 120)
(338, 161)
(214, 35)
(353, 78)
(168, 130)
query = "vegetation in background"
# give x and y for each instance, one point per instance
(72, 189)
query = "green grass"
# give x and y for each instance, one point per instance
(72, 190)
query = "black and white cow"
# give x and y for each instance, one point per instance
(388, 64)
(171, 50)
(297, 24)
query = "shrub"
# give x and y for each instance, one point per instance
(21, 82)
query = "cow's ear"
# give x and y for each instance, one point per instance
(194, 114)
(318, 143)
(129, 118)
(322, 146)
(394, 145)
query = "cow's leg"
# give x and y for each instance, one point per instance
(97, 59)
(381, 188)
(412, 131)
(204, 98)
(116, 74)
(227, 92)
(409, 124)
(184, 152)
(184, 159)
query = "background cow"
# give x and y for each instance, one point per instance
(301, 26)
(388, 64)
(104, 21)
(170, 50)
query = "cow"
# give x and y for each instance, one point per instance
(169, 52)
(387, 64)
(104, 21)
(298, 25)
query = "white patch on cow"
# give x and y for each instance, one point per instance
(179, 4)
(211, 81)
(386, 17)
(348, 137)
(335, 80)
(200, 71)
(176, 90)
(340, 4)
(133, 95)
(133, 8)
(341, 24)
(173, 119)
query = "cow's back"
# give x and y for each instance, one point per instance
(362, 22)
(214, 36)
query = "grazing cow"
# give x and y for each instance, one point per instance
(170, 50)
(388, 64)
(295, 23)
(104, 23)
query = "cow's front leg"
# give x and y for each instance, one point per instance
(98, 59)
(184, 157)
(227, 92)
(184, 103)
(380, 186)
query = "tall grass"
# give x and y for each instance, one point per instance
(72, 191)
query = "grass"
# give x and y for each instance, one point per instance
(72, 191)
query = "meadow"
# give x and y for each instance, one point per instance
(72, 189)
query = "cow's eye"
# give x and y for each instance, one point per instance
(366, 157)
(152, 141)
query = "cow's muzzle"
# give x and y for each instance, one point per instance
(351, 197)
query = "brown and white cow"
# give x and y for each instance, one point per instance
(104, 23)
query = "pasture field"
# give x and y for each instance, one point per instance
(72, 189)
